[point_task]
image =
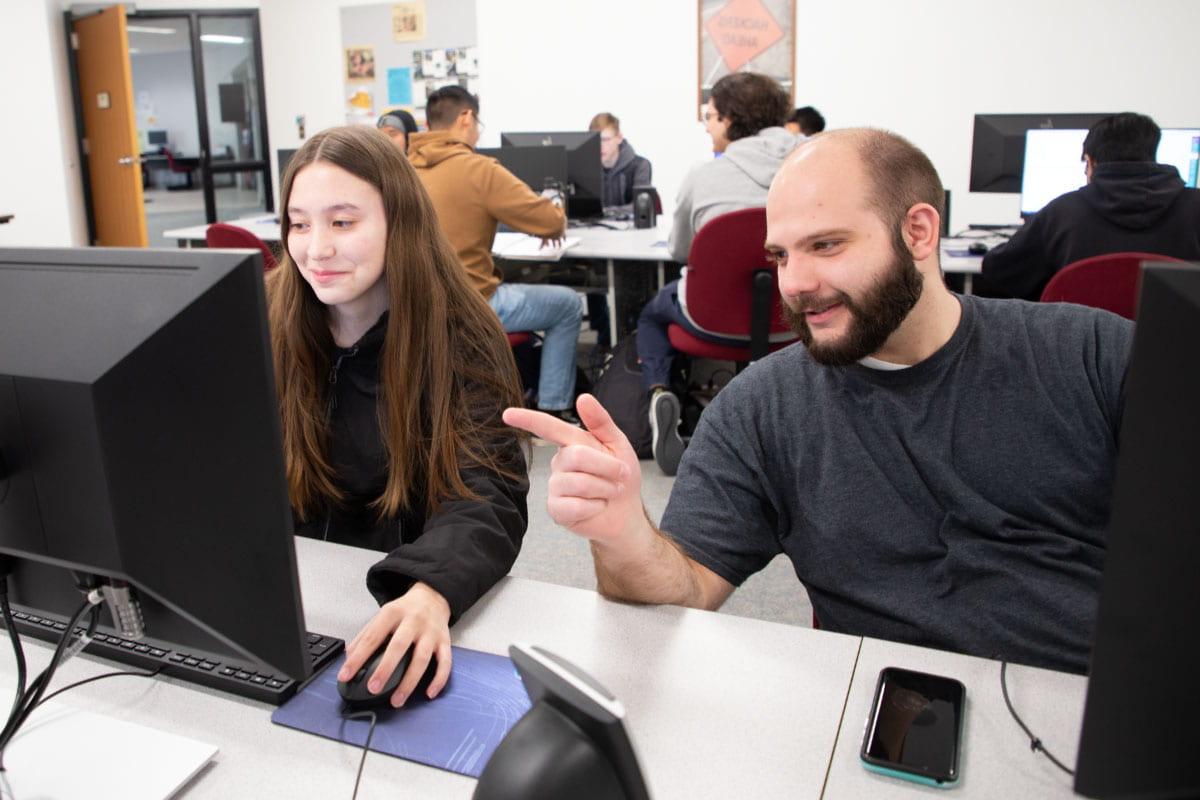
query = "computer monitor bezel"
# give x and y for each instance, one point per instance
(998, 146)
(202, 530)
(159, 134)
(1139, 734)
(533, 165)
(584, 170)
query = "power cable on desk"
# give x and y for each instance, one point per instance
(29, 699)
(366, 745)
(1035, 744)
(130, 672)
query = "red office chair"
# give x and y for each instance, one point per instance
(221, 235)
(519, 338)
(1108, 281)
(181, 166)
(731, 291)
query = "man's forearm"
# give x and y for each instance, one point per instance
(648, 568)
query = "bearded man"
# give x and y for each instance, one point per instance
(937, 468)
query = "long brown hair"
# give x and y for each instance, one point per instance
(446, 370)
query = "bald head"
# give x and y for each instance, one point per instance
(887, 172)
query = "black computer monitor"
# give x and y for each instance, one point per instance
(584, 171)
(284, 157)
(998, 146)
(1141, 722)
(533, 165)
(140, 442)
(156, 138)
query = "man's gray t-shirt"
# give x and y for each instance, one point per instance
(961, 503)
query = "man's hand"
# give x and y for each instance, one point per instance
(595, 479)
(420, 618)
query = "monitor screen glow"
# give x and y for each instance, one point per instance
(1054, 166)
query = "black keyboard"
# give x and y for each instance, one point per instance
(215, 671)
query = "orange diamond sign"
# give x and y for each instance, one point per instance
(742, 30)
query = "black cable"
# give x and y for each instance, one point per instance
(33, 695)
(1035, 744)
(129, 672)
(18, 649)
(366, 744)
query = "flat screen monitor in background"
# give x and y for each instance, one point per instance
(156, 138)
(533, 165)
(1054, 162)
(284, 157)
(584, 172)
(1180, 147)
(1053, 166)
(998, 146)
(1140, 734)
(140, 442)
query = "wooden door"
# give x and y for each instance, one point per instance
(110, 129)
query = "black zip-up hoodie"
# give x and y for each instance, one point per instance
(460, 551)
(1138, 206)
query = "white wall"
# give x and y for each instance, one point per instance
(921, 67)
(39, 166)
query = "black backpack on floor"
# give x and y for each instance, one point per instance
(619, 389)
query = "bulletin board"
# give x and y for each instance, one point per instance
(396, 54)
(746, 36)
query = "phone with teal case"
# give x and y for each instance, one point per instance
(914, 730)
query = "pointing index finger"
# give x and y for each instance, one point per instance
(548, 427)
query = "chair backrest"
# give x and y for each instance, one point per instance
(221, 235)
(725, 254)
(1109, 281)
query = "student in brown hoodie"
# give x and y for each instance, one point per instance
(472, 193)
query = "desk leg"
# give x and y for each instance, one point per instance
(662, 274)
(967, 283)
(613, 334)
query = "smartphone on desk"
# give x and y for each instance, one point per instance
(915, 727)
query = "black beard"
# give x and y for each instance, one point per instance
(873, 319)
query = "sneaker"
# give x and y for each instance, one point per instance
(665, 442)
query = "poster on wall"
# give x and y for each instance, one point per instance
(408, 21)
(746, 36)
(360, 64)
(399, 83)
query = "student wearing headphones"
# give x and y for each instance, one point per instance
(398, 124)
(392, 372)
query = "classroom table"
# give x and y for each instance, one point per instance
(717, 706)
(995, 760)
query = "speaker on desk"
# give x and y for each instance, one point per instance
(646, 207)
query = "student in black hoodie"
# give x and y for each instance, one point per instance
(392, 372)
(1130, 204)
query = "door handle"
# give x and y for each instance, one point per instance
(128, 161)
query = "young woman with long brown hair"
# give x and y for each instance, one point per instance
(392, 373)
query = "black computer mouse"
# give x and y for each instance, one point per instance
(977, 248)
(355, 693)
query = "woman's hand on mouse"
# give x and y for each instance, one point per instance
(419, 618)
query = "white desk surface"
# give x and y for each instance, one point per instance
(995, 760)
(718, 706)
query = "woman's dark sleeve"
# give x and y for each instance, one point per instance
(467, 545)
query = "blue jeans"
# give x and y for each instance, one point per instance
(555, 310)
(654, 349)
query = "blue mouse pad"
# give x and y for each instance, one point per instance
(458, 731)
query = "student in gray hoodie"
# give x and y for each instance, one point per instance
(745, 118)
